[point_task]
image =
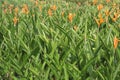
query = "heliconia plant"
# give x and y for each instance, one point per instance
(60, 40)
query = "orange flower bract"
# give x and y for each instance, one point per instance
(70, 17)
(107, 1)
(50, 12)
(36, 2)
(16, 10)
(15, 20)
(94, 2)
(116, 40)
(53, 7)
(99, 7)
(25, 9)
(100, 20)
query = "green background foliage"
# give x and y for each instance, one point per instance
(43, 47)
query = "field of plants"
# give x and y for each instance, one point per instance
(59, 39)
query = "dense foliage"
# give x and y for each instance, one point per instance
(59, 40)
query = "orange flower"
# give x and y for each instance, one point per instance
(114, 19)
(15, 20)
(100, 20)
(25, 9)
(70, 17)
(107, 1)
(16, 10)
(99, 7)
(36, 2)
(53, 7)
(116, 40)
(50, 12)
(115, 15)
(94, 2)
